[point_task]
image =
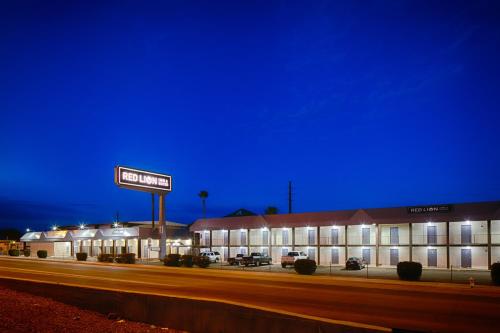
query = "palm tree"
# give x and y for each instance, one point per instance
(271, 210)
(203, 195)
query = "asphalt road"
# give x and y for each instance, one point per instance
(410, 305)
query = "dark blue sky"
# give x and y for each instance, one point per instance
(361, 104)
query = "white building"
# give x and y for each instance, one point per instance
(126, 237)
(458, 235)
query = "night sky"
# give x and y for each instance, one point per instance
(360, 104)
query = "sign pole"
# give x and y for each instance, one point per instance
(163, 228)
(152, 212)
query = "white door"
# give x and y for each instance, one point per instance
(62, 249)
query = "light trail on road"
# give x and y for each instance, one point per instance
(419, 306)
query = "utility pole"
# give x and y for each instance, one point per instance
(290, 197)
(117, 216)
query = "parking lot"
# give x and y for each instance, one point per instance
(429, 275)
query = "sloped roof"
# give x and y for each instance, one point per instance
(458, 212)
(57, 235)
(241, 212)
(85, 233)
(31, 236)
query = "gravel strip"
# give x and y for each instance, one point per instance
(22, 312)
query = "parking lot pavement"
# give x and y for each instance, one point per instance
(429, 275)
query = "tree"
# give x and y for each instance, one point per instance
(203, 195)
(10, 234)
(271, 210)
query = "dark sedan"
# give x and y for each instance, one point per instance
(354, 263)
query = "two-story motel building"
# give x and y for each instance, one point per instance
(442, 236)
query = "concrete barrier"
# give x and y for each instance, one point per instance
(193, 315)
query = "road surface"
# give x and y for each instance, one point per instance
(410, 305)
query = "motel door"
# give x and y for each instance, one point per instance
(466, 234)
(226, 254)
(365, 236)
(431, 234)
(243, 238)
(394, 235)
(394, 256)
(367, 255)
(265, 237)
(335, 256)
(284, 237)
(311, 253)
(335, 236)
(432, 257)
(310, 236)
(466, 258)
(284, 251)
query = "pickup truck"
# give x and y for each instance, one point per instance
(235, 260)
(256, 258)
(291, 257)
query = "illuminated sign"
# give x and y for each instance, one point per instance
(142, 180)
(430, 209)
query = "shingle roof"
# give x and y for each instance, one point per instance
(459, 212)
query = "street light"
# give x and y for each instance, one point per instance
(54, 227)
(82, 226)
(28, 230)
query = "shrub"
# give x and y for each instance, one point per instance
(305, 266)
(81, 256)
(27, 252)
(187, 260)
(172, 260)
(202, 261)
(14, 252)
(105, 257)
(41, 253)
(495, 273)
(126, 258)
(409, 270)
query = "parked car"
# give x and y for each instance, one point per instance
(213, 256)
(235, 260)
(256, 259)
(291, 257)
(354, 263)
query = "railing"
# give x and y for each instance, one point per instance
(475, 239)
(279, 242)
(329, 241)
(386, 240)
(219, 242)
(495, 238)
(424, 240)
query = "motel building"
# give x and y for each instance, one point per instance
(125, 237)
(440, 236)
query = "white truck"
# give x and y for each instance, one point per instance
(291, 257)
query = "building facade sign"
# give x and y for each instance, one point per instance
(142, 180)
(430, 209)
